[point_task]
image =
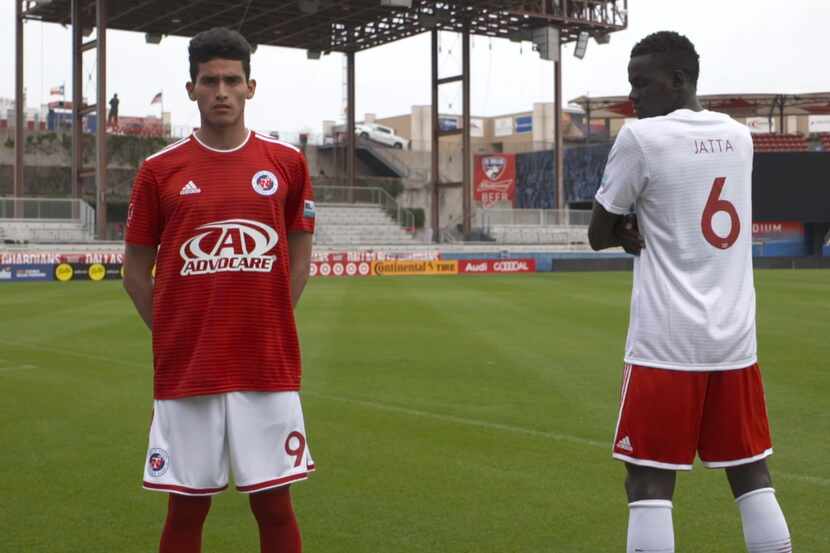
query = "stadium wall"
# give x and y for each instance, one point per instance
(791, 186)
(21, 265)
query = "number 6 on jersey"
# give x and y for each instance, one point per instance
(714, 205)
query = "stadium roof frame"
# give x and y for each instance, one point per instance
(347, 26)
(344, 25)
(738, 105)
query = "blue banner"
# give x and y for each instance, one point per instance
(23, 272)
(524, 124)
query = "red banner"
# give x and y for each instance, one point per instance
(340, 268)
(491, 266)
(777, 229)
(495, 179)
(51, 257)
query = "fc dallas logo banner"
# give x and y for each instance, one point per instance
(495, 179)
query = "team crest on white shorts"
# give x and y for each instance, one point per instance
(265, 183)
(158, 462)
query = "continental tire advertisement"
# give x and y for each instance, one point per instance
(414, 267)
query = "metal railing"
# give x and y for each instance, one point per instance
(48, 210)
(537, 217)
(366, 195)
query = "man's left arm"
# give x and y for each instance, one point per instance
(609, 230)
(626, 172)
(299, 261)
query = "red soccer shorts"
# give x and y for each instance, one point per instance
(666, 416)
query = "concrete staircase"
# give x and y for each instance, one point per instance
(358, 224)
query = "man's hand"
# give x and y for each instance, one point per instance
(627, 232)
(609, 230)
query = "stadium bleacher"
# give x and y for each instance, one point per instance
(539, 234)
(44, 232)
(824, 140)
(772, 142)
(350, 224)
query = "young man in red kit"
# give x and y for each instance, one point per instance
(227, 217)
(691, 383)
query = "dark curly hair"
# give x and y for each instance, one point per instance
(219, 43)
(677, 51)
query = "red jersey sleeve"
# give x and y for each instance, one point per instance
(144, 213)
(300, 212)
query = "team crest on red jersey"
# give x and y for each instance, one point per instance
(234, 245)
(265, 183)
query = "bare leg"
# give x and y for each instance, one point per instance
(650, 526)
(746, 478)
(649, 483)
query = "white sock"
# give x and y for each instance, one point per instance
(650, 528)
(765, 530)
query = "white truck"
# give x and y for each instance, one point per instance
(381, 134)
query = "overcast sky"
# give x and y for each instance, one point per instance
(746, 46)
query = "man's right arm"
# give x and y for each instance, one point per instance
(138, 279)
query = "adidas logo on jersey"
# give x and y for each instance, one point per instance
(625, 444)
(190, 188)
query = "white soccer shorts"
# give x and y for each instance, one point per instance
(193, 441)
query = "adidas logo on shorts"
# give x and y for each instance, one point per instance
(625, 444)
(190, 188)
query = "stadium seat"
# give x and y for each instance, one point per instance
(772, 142)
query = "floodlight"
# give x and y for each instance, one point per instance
(546, 41)
(581, 44)
(396, 3)
(314, 54)
(152, 38)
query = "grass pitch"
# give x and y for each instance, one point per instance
(446, 414)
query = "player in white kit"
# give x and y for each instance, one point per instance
(677, 193)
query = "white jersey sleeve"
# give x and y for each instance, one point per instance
(626, 174)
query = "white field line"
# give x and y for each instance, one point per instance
(519, 430)
(81, 354)
(413, 412)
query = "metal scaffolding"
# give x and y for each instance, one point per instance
(347, 26)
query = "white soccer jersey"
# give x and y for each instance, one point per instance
(688, 177)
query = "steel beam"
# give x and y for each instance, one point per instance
(467, 177)
(448, 80)
(557, 131)
(101, 123)
(351, 151)
(77, 96)
(19, 107)
(436, 142)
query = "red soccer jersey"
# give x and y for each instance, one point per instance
(222, 314)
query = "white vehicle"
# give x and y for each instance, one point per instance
(379, 133)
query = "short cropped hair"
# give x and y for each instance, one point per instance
(219, 43)
(678, 51)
